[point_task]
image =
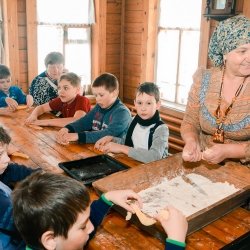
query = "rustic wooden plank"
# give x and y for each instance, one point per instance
(149, 34)
(200, 240)
(134, 5)
(98, 54)
(113, 29)
(114, 38)
(133, 38)
(11, 38)
(23, 67)
(21, 6)
(23, 78)
(114, 18)
(132, 69)
(114, 58)
(123, 231)
(24, 87)
(131, 81)
(134, 59)
(23, 55)
(122, 49)
(32, 47)
(113, 68)
(113, 49)
(240, 6)
(217, 233)
(22, 31)
(21, 19)
(104, 240)
(132, 49)
(129, 92)
(133, 16)
(113, 8)
(22, 43)
(133, 27)
(246, 8)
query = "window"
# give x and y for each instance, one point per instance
(67, 31)
(178, 48)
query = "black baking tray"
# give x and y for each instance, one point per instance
(93, 168)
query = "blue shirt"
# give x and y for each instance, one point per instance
(15, 93)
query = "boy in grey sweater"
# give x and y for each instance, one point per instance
(147, 136)
(109, 116)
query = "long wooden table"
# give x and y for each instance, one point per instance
(114, 232)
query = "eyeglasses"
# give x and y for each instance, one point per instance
(55, 66)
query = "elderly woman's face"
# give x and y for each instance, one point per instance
(238, 60)
(55, 70)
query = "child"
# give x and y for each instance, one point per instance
(147, 137)
(109, 116)
(11, 96)
(9, 172)
(56, 212)
(69, 103)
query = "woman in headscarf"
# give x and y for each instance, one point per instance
(44, 87)
(217, 117)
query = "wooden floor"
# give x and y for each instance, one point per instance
(114, 232)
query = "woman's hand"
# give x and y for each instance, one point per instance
(11, 103)
(29, 100)
(120, 197)
(99, 145)
(191, 151)
(176, 226)
(220, 152)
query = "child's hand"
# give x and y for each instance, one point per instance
(29, 100)
(64, 137)
(115, 148)
(11, 103)
(119, 197)
(30, 120)
(103, 141)
(4, 111)
(176, 226)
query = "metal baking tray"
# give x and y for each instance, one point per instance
(93, 168)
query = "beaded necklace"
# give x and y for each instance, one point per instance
(219, 132)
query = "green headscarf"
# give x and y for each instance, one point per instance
(228, 35)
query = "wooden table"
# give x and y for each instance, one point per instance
(114, 232)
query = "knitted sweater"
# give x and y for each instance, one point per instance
(101, 122)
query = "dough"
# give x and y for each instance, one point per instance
(35, 127)
(146, 221)
(164, 214)
(22, 107)
(20, 155)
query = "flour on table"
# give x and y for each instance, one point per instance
(184, 196)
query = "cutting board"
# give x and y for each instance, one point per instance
(146, 175)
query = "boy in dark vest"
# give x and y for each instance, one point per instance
(147, 136)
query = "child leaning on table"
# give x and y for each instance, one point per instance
(69, 103)
(109, 116)
(9, 172)
(11, 96)
(57, 213)
(147, 136)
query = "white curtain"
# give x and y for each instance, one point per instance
(65, 12)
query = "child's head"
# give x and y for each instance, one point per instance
(68, 86)
(51, 211)
(5, 78)
(147, 100)
(105, 89)
(4, 142)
